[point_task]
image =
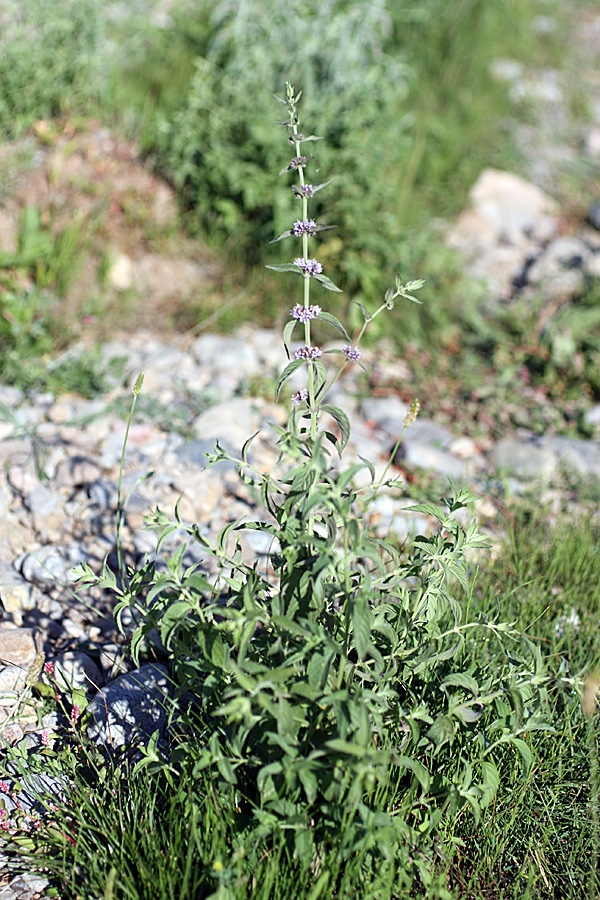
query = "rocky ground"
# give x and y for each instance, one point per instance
(60, 456)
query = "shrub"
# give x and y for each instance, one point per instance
(333, 698)
(49, 59)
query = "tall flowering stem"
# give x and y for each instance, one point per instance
(303, 313)
(294, 137)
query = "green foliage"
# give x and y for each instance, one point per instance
(49, 61)
(333, 690)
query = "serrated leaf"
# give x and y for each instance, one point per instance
(461, 679)
(326, 282)
(442, 731)
(289, 370)
(467, 714)
(428, 509)
(333, 320)
(342, 420)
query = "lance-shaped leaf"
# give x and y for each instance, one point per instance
(321, 378)
(290, 233)
(366, 314)
(297, 189)
(287, 335)
(286, 267)
(289, 370)
(327, 283)
(332, 320)
(342, 420)
(300, 138)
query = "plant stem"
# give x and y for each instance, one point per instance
(136, 390)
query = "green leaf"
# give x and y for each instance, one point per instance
(280, 237)
(491, 782)
(361, 625)
(461, 679)
(324, 280)
(226, 770)
(286, 267)
(287, 335)
(345, 747)
(428, 509)
(342, 420)
(289, 370)
(418, 770)
(332, 320)
(525, 751)
(441, 732)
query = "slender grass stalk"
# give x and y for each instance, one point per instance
(590, 692)
(136, 390)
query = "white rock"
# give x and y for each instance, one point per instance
(121, 273)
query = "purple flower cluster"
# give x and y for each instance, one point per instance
(297, 162)
(309, 265)
(309, 227)
(300, 397)
(304, 190)
(352, 353)
(308, 353)
(305, 313)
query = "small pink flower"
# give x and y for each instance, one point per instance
(4, 826)
(5, 787)
(49, 667)
(74, 713)
(45, 737)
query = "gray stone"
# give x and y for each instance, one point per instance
(42, 501)
(12, 678)
(194, 453)
(427, 433)
(510, 205)
(131, 708)
(234, 421)
(423, 456)
(51, 565)
(17, 647)
(226, 354)
(523, 459)
(592, 416)
(386, 413)
(77, 670)
(15, 592)
(581, 457)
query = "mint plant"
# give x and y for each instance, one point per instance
(333, 698)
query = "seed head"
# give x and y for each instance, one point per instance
(413, 412)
